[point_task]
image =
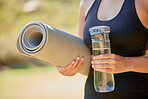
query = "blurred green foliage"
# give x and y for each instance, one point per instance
(61, 14)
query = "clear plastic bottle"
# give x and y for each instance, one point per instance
(103, 82)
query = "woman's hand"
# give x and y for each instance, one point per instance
(72, 68)
(110, 63)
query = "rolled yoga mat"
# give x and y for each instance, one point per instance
(44, 42)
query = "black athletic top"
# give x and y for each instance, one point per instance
(128, 38)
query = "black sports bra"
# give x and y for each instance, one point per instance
(128, 38)
(128, 35)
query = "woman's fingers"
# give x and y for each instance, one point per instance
(78, 67)
(75, 63)
(72, 68)
(69, 68)
(103, 61)
(103, 66)
(65, 70)
(110, 63)
(103, 56)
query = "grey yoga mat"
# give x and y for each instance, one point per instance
(44, 42)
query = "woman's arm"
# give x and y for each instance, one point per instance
(138, 64)
(81, 20)
(84, 7)
(142, 11)
(75, 66)
(112, 63)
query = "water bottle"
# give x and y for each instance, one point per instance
(103, 82)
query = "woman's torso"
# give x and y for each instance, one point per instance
(128, 38)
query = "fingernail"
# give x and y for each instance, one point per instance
(92, 65)
(94, 58)
(82, 59)
(98, 69)
(101, 55)
(92, 62)
(73, 62)
(78, 58)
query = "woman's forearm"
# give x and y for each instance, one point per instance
(138, 64)
(112, 63)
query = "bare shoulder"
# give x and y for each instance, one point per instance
(142, 11)
(83, 9)
(143, 4)
(85, 5)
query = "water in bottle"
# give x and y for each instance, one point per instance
(103, 82)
